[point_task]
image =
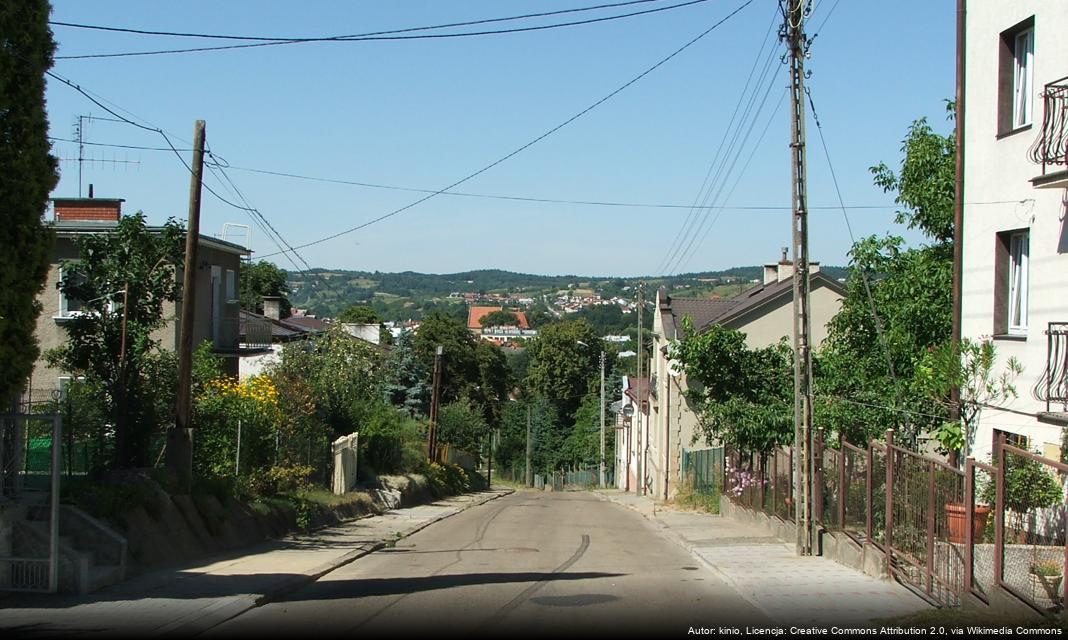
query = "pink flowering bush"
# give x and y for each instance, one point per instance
(741, 478)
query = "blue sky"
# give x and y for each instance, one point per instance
(425, 113)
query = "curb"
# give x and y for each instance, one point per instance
(242, 604)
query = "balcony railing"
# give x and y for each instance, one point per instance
(255, 333)
(1057, 367)
(1051, 148)
(241, 336)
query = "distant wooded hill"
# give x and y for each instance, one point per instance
(410, 295)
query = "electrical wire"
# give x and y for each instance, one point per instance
(536, 140)
(371, 37)
(694, 208)
(247, 208)
(727, 160)
(373, 33)
(879, 331)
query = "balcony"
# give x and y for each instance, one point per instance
(1051, 148)
(242, 336)
(1056, 375)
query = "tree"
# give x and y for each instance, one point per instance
(583, 445)
(136, 267)
(561, 369)
(359, 314)
(458, 346)
(405, 378)
(865, 370)
(502, 318)
(494, 381)
(344, 374)
(743, 397)
(26, 49)
(260, 279)
(971, 369)
(462, 425)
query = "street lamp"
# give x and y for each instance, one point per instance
(600, 476)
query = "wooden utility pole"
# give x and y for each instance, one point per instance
(180, 437)
(122, 435)
(803, 433)
(435, 401)
(958, 222)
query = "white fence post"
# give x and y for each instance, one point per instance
(344, 449)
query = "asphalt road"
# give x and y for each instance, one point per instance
(528, 564)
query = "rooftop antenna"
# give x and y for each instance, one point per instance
(79, 135)
(247, 234)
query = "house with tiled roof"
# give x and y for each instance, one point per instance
(501, 335)
(764, 313)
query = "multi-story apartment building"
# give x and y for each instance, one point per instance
(1015, 235)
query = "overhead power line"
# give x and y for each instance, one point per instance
(257, 216)
(536, 140)
(692, 215)
(379, 36)
(217, 36)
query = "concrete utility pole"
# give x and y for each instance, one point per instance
(180, 437)
(435, 400)
(794, 34)
(602, 475)
(639, 489)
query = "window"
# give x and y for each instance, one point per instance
(231, 286)
(1016, 71)
(1011, 264)
(1012, 439)
(1023, 74)
(1018, 249)
(68, 306)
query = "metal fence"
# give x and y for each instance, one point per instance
(944, 532)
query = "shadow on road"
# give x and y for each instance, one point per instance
(368, 587)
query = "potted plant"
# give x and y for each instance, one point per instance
(1046, 577)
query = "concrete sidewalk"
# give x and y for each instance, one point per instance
(193, 599)
(792, 590)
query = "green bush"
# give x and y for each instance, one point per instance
(446, 479)
(274, 481)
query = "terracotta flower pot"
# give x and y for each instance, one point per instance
(957, 513)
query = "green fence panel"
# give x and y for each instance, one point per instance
(704, 467)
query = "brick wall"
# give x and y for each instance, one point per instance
(89, 210)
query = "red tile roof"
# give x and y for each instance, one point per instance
(475, 314)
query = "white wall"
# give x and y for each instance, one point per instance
(998, 170)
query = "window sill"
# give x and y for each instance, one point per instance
(1012, 132)
(1011, 337)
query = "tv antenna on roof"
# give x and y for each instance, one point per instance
(79, 134)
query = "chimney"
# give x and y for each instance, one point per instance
(87, 209)
(272, 307)
(771, 273)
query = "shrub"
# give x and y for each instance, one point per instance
(278, 480)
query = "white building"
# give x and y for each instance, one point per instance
(1015, 248)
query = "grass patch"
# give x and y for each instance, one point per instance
(691, 499)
